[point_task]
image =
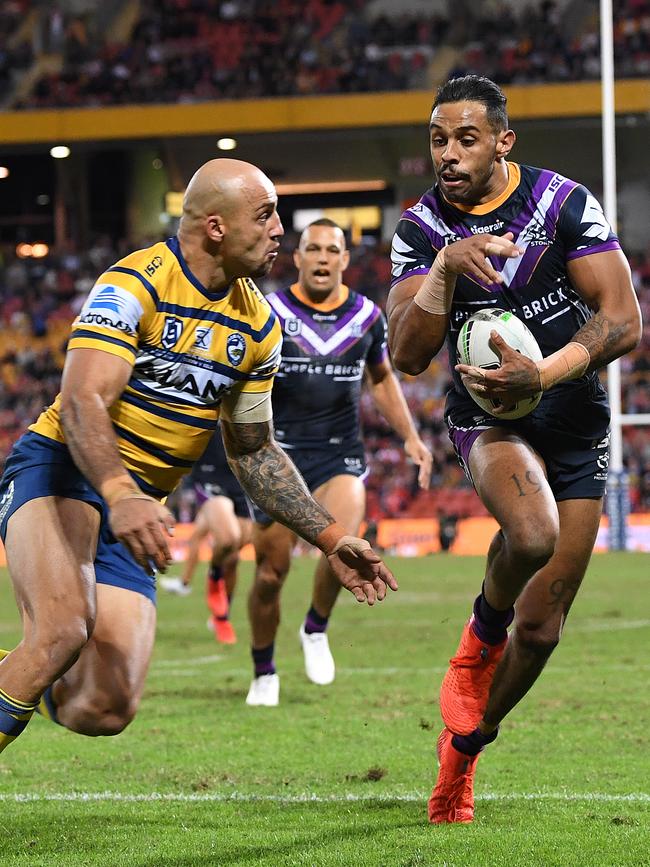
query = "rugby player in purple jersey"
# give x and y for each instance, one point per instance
(492, 233)
(331, 338)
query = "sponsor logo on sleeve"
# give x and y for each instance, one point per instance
(593, 215)
(112, 307)
(108, 298)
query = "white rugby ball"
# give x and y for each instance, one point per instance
(474, 348)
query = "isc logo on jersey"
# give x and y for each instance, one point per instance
(112, 307)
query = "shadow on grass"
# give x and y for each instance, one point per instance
(175, 835)
(298, 840)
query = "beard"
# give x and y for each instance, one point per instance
(262, 270)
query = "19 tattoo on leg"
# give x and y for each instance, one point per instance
(530, 484)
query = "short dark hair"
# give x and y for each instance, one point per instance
(324, 221)
(476, 88)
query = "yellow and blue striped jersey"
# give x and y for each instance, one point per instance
(188, 347)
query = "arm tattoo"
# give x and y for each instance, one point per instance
(602, 338)
(271, 480)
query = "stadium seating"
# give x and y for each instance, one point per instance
(194, 50)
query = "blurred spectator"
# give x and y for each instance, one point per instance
(194, 50)
(15, 53)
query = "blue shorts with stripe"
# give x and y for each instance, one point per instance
(41, 467)
(320, 464)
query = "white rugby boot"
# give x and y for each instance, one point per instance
(319, 662)
(175, 585)
(264, 691)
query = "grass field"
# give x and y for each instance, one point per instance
(340, 775)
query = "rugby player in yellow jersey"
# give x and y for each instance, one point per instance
(170, 339)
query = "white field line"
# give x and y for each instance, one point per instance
(585, 626)
(196, 660)
(343, 671)
(308, 797)
(172, 667)
(608, 625)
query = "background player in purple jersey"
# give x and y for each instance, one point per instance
(224, 515)
(330, 336)
(493, 233)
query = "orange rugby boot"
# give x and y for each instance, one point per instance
(223, 631)
(466, 685)
(452, 799)
(217, 598)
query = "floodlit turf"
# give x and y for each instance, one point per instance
(340, 775)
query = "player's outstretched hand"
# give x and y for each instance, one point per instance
(360, 570)
(469, 256)
(421, 457)
(516, 377)
(142, 524)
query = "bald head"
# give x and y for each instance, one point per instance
(221, 185)
(230, 223)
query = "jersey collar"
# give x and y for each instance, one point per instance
(514, 177)
(326, 306)
(175, 247)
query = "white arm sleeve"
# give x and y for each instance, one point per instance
(245, 407)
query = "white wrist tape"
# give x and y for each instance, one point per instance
(570, 362)
(436, 293)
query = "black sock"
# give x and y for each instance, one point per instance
(315, 622)
(214, 572)
(473, 743)
(263, 660)
(491, 625)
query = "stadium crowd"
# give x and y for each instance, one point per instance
(40, 297)
(194, 50)
(535, 47)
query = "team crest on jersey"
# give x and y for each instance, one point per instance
(293, 327)
(203, 338)
(172, 331)
(235, 349)
(535, 235)
(356, 329)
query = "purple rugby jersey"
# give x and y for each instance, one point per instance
(554, 220)
(316, 392)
